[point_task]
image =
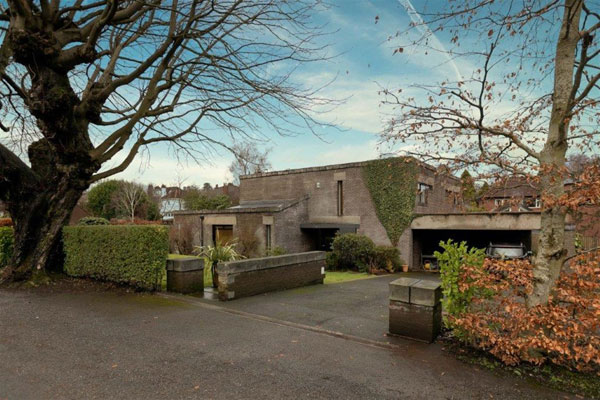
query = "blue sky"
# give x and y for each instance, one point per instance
(365, 64)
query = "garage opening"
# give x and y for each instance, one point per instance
(426, 241)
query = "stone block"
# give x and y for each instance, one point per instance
(400, 289)
(426, 293)
(185, 275)
(415, 321)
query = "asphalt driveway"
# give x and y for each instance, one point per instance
(97, 343)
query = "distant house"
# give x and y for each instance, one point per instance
(515, 194)
(169, 199)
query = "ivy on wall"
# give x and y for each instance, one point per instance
(392, 183)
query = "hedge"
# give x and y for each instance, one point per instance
(131, 254)
(6, 245)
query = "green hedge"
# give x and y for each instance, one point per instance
(130, 254)
(6, 245)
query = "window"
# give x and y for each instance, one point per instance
(340, 198)
(538, 202)
(498, 202)
(423, 193)
(268, 237)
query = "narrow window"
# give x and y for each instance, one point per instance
(340, 198)
(268, 237)
(423, 193)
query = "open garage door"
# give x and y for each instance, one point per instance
(426, 241)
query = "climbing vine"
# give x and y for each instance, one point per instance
(392, 184)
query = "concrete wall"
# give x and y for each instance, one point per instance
(260, 275)
(286, 230)
(320, 184)
(479, 221)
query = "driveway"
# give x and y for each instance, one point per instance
(91, 342)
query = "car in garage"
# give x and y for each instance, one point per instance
(507, 251)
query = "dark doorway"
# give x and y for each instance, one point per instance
(321, 234)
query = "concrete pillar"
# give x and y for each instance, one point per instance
(185, 275)
(415, 309)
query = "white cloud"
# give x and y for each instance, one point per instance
(167, 170)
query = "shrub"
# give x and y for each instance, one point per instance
(276, 251)
(181, 236)
(451, 262)
(134, 255)
(6, 222)
(136, 221)
(565, 331)
(6, 245)
(93, 221)
(213, 255)
(352, 251)
(387, 258)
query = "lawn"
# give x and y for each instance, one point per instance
(344, 276)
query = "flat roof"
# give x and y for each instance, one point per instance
(334, 167)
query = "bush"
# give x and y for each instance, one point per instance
(136, 221)
(276, 251)
(386, 258)
(134, 255)
(6, 222)
(351, 251)
(181, 236)
(451, 262)
(6, 245)
(93, 221)
(565, 331)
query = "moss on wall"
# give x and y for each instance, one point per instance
(392, 183)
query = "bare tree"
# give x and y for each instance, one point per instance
(86, 85)
(129, 198)
(249, 159)
(525, 92)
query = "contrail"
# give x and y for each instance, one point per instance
(424, 28)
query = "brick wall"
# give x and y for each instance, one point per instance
(261, 275)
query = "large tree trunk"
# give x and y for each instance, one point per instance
(551, 247)
(39, 209)
(38, 228)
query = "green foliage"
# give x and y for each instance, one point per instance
(6, 245)
(351, 251)
(101, 199)
(392, 183)
(195, 200)
(276, 251)
(152, 210)
(451, 261)
(469, 193)
(387, 258)
(93, 221)
(218, 253)
(130, 254)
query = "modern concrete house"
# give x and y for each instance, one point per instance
(302, 209)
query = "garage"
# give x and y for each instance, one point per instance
(477, 229)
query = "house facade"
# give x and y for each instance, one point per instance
(302, 209)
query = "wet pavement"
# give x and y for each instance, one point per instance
(108, 344)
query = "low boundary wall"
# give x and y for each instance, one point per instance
(261, 275)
